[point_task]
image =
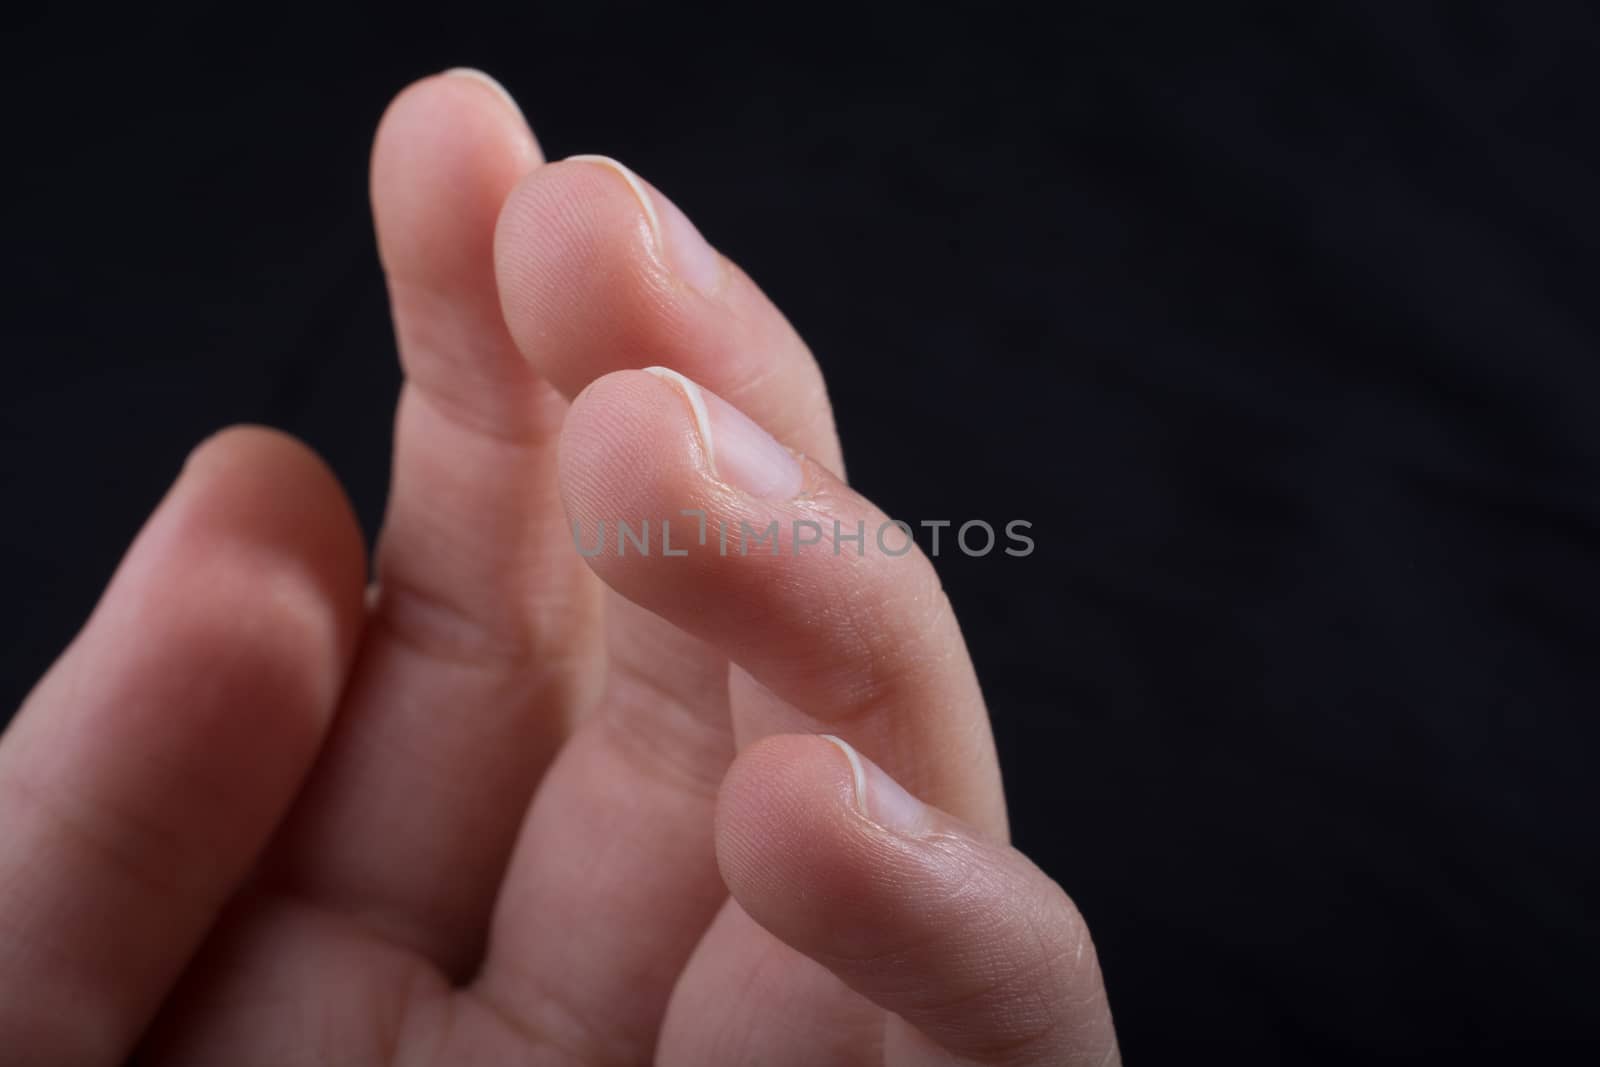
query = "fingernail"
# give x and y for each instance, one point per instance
(879, 797)
(739, 452)
(472, 74)
(686, 253)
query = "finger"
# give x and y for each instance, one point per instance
(860, 642)
(146, 771)
(588, 234)
(746, 997)
(853, 637)
(484, 633)
(585, 953)
(980, 954)
(614, 878)
(600, 272)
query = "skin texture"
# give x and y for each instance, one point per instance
(513, 805)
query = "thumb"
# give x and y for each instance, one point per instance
(979, 953)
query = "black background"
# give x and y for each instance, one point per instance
(1279, 326)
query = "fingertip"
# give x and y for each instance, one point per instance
(488, 82)
(254, 552)
(781, 796)
(582, 291)
(447, 150)
(460, 105)
(626, 454)
(264, 452)
(261, 493)
(962, 938)
(794, 847)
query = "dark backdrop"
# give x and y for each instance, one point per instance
(1280, 327)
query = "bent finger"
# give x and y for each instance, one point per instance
(804, 584)
(485, 635)
(600, 272)
(145, 773)
(978, 953)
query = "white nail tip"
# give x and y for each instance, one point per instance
(697, 404)
(646, 201)
(856, 769)
(473, 74)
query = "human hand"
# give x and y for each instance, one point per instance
(519, 805)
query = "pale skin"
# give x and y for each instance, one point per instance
(511, 805)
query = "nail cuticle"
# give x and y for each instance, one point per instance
(857, 771)
(640, 193)
(739, 452)
(697, 407)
